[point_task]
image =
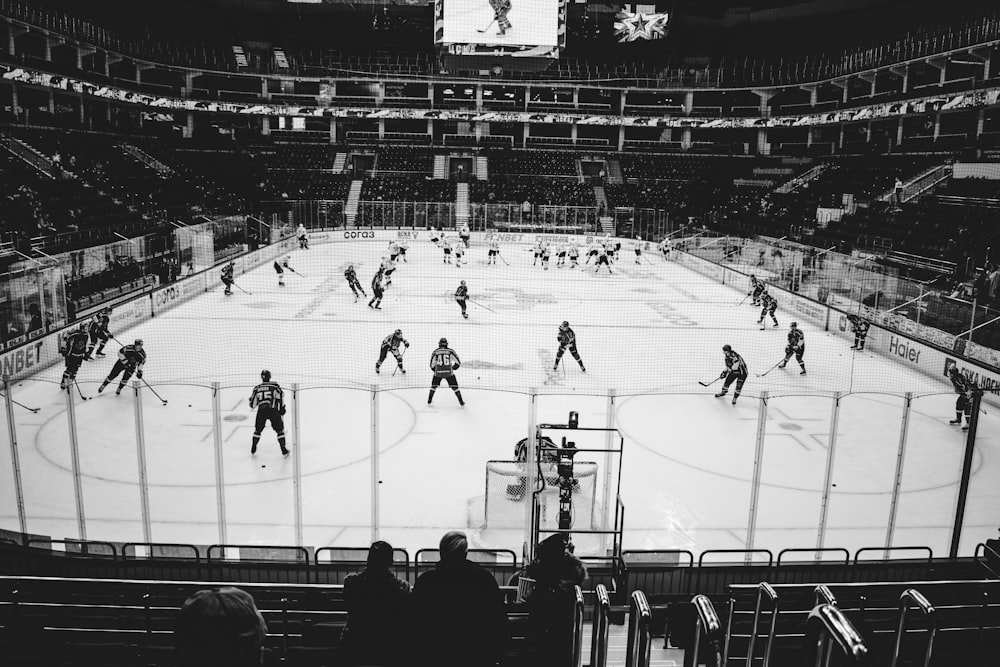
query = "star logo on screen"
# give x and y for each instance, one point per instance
(630, 27)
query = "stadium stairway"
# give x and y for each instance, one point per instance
(440, 167)
(462, 204)
(802, 179)
(34, 157)
(339, 162)
(601, 197)
(145, 158)
(922, 184)
(353, 199)
(482, 168)
(614, 174)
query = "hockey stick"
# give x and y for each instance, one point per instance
(760, 375)
(484, 307)
(399, 362)
(21, 404)
(242, 290)
(86, 398)
(153, 390)
(743, 301)
(488, 26)
(502, 259)
(709, 384)
(295, 272)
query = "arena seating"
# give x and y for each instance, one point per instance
(402, 159)
(517, 190)
(399, 188)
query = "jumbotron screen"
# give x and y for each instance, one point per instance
(500, 27)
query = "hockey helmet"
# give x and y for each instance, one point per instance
(727, 348)
(350, 267)
(953, 370)
(443, 342)
(463, 282)
(83, 326)
(795, 324)
(106, 309)
(138, 342)
(399, 332)
(265, 375)
(564, 325)
(753, 277)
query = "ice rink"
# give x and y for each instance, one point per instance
(533, 23)
(649, 332)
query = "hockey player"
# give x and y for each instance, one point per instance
(303, 237)
(859, 326)
(797, 346)
(435, 235)
(574, 255)
(546, 253)
(74, 349)
(537, 251)
(386, 268)
(593, 252)
(666, 247)
(460, 254)
(768, 305)
(501, 8)
(736, 370)
(444, 363)
(561, 255)
(393, 251)
(376, 300)
(446, 247)
(391, 344)
(567, 341)
(602, 259)
(965, 389)
(461, 296)
(638, 250)
(491, 255)
(402, 250)
(131, 359)
(463, 235)
(353, 282)
(98, 330)
(269, 400)
(279, 268)
(227, 277)
(757, 287)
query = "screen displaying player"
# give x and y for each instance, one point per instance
(520, 23)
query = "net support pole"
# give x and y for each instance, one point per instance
(609, 482)
(297, 466)
(530, 479)
(74, 455)
(831, 449)
(140, 447)
(758, 462)
(15, 461)
(963, 487)
(375, 463)
(220, 476)
(898, 480)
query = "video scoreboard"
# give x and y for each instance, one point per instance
(514, 28)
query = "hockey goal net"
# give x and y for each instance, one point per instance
(508, 491)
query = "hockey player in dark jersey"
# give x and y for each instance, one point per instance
(736, 371)
(797, 346)
(269, 399)
(227, 277)
(376, 300)
(402, 250)
(99, 334)
(353, 282)
(966, 389)
(74, 349)
(567, 341)
(131, 359)
(444, 363)
(756, 288)
(859, 326)
(461, 296)
(768, 305)
(391, 344)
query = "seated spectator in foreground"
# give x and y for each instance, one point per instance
(220, 628)
(376, 605)
(458, 611)
(553, 576)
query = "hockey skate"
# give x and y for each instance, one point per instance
(376, 369)
(101, 354)
(802, 372)
(285, 453)
(734, 399)
(103, 385)
(782, 364)
(721, 394)
(775, 323)
(957, 420)
(253, 449)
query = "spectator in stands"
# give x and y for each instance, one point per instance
(458, 611)
(220, 628)
(34, 317)
(376, 600)
(993, 283)
(555, 573)
(897, 191)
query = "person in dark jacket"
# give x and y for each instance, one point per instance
(549, 600)
(376, 605)
(220, 628)
(459, 618)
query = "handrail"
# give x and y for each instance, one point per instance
(911, 597)
(847, 554)
(748, 552)
(639, 640)
(601, 627)
(857, 554)
(577, 648)
(827, 622)
(825, 596)
(706, 624)
(763, 589)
